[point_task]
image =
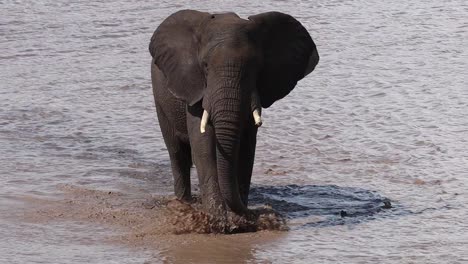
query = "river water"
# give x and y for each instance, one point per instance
(382, 118)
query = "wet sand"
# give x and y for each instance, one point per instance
(178, 230)
(152, 224)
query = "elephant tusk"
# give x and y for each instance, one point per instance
(257, 118)
(204, 120)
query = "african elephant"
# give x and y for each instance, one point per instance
(211, 75)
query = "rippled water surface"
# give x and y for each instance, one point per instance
(382, 118)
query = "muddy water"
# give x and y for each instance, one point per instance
(383, 118)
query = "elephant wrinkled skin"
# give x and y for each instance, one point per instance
(225, 69)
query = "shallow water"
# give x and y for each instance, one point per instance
(383, 116)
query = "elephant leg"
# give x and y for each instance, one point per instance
(246, 161)
(180, 155)
(204, 156)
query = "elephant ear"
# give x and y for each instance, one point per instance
(174, 48)
(287, 48)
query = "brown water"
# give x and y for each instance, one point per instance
(83, 166)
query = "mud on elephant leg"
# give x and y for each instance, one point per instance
(204, 156)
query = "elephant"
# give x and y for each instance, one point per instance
(212, 74)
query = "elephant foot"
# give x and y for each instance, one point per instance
(255, 220)
(185, 197)
(203, 218)
(215, 208)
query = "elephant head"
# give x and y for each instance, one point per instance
(233, 67)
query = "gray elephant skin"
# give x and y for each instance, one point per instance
(211, 75)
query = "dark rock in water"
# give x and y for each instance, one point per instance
(343, 213)
(387, 204)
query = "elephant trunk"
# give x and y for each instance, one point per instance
(227, 121)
